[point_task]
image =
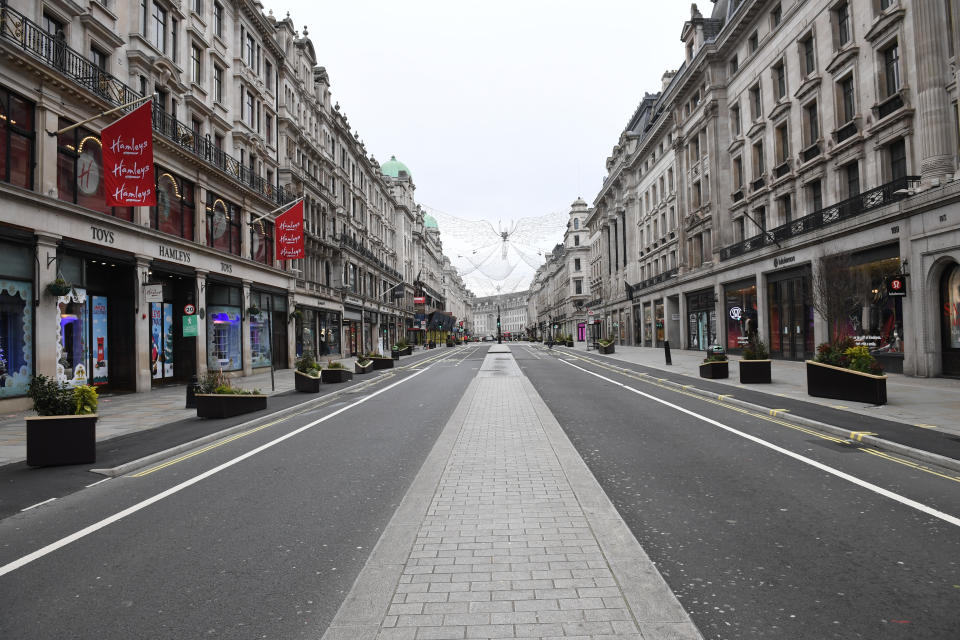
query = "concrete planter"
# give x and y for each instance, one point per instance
(755, 371)
(333, 376)
(361, 369)
(305, 382)
(57, 440)
(227, 405)
(715, 370)
(609, 348)
(828, 381)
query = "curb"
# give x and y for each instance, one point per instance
(830, 429)
(147, 460)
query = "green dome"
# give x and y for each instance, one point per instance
(429, 221)
(394, 168)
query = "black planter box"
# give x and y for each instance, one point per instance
(332, 376)
(305, 382)
(55, 440)
(227, 405)
(827, 381)
(449, 343)
(361, 369)
(754, 371)
(382, 363)
(407, 350)
(715, 370)
(605, 348)
(569, 343)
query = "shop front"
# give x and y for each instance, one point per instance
(740, 313)
(317, 332)
(790, 311)
(701, 319)
(268, 329)
(224, 318)
(950, 319)
(647, 324)
(172, 348)
(352, 331)
(16, 318)
(95, 331)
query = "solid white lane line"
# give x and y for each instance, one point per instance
(34, 506)
(946, 517)
(73, 537)
(98, 482)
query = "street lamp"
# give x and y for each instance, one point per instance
(498, 325)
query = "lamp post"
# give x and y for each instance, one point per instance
(499, 341)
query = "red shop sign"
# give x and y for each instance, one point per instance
(289, 233)
(128, 159)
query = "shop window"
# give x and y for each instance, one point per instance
(866, 312)
(175, 209)
(260, 355)
(16, 140)
(741, 314)
(223, 224)
(80, 178)
(224, 337)
(261, 242)
(72, 339)
(16, 330)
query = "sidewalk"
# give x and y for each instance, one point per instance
(505, 533)
(124, 413)
(925, 402)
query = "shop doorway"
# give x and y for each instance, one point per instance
(950, 320)
(173, 357)
(789, 298)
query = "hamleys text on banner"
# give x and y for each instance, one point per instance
(128, 159)
(288, 230)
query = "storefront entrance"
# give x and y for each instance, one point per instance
(701, 320)
(789, 297)
(173, 357)
(950, 320)
(740, 313)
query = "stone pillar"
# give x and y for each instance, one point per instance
(46, 314)
(141, 327)
(201, 340)
(245, 331)
(821, 330)
(763, 313)
(45, 175)
(934, 114)
(684, 324)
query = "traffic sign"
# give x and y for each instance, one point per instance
(189, 309)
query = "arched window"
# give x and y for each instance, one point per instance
(576, 223)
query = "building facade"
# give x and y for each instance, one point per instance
(512, 308)
(243, 126)
(797, 141)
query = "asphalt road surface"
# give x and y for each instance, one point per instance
(762, 530)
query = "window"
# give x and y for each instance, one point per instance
(250, 51)
(52, 25)
(268, 74)
(174, 212)
(696, 194)
(897, 158)
(885, 4)
(578, 286)
(776, 16)
(808, 50)
(780, 80)
(80, 171)
(758, 160)
(755, 105)
(261, 242)
(734, 64)
(842, 17)
(852, 174)
(157, 33)
(16, 140)
(173, 40)
(576, 264)
(268, 124)
(195, 63)
(737, 172)
(811, 123)
(786, 209)
(734, 120)
(197, 6)
(223, 224)
(847, 105)
(576, 241)
(815, 195)
(218, 83)
(781, 138)
(760, 218)
(739, 230)
(218, 19)
(576, 223)
(249, 107)
(891, 69)
(948, 17)
(753, 42)
(98, 58)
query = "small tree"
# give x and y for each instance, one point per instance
(834, 289)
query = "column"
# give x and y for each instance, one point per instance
(45, 176)
(201, 341)
(821, 330)
(934, 112)
(46, 314)
(245, 330)
(142, 326)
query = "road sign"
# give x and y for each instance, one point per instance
(190, 326)
(419, 300)
(590, 313)
(189, 309)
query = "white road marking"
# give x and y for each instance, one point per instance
(97, 482)
(73, 537)
(946, 517)
(34, 506)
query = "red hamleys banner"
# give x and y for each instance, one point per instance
(288, 229)
(128, 159)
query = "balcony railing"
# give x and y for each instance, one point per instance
(810, 152)
(890, 105)
(849, 208)
(53, 52)
(846, 131)
(356, 247)
(657, 279)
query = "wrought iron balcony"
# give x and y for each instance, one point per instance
(888, 106)
(849, 208)
(53, 52)
(846, 131)
(810, 152)
(657, 279)
(356, 247)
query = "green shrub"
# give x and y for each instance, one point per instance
(334, 365)
(50, 398)
(306, 362)
(755, 350)
(716, 357)
(605, 342)
(85, 400)
(363, 361)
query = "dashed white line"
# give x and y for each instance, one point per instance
(34, 506)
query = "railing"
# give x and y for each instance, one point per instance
(657, 279)
(55, 54)
(758, 183)
(849, 208)
(781, 170)
(846, 131)
(810, 152)
(353, 245)
(890, 105)
(737, 195)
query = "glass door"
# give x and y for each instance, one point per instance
(161, 341)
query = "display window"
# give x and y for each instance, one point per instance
(16, 139)
(260, 340)
(740, 312)
(224, 341)
(702, 320)
(223, 224)
(647, 325)
(161, 340)
(80, 177)
(72, 345)
(175, 209)
(328, 336)
(872, 317)
(98, 326)
(16, 342)
(658, 322)
(951, 308)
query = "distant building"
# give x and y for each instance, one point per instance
(513, 314)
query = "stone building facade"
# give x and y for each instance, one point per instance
(513, 314)
(244, 124)
(797, 136)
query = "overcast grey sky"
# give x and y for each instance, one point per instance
(500, 109)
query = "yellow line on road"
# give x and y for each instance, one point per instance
(858, 435)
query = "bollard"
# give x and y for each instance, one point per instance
(192, 393)
(666, 351)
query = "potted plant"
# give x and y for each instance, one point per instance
(253, 310)
(363, 365)
(755, 364)
(306, 377)
(335, 372)
(843, 370)
(379, 361)
(715, 366)
(59, 287)
(296, 314)
(569, 340)
(449, 341)
(217, 398)
(605, 345)
(64, 429)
